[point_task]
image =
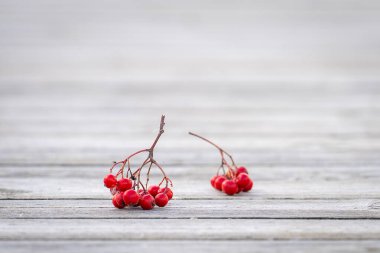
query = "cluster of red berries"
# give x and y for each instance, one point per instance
(124, 195)
(233, 184)
(234, 179)
(130, 190)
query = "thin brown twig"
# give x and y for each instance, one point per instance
(230, 169)
(215, 145)
(147, 175)
(148, 160)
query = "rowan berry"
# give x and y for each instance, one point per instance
(147, 202)
(242, 180)
(124, 184)
(212, 180)
(110, 181)
(248, 187)
(167, 191)
(117, 200)
(153, 190)
(241, 170)
(229, 187)
(161, 199)
(218, 182)
(131, 197)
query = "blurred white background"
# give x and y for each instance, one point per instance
(189, 41)
(83, 82)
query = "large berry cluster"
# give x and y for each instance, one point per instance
(125, 195)
(129, 190)
(234, 179)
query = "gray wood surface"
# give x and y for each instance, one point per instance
(290, 88)
(188, 229)
(240, 208)
(194, 245)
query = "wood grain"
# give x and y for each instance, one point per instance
(172, 246)
(240, 208)
(193, 183)
(176, 229)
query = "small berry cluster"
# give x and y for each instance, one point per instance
(233, 182)
(126, 191)
(234, 179)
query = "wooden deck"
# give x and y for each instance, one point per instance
(292, 90)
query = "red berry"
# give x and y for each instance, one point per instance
(153, 190)
(238, 190)
(117, 200)
(243, 180)
(147, 202)
(218, 182)
(241, 170)
(131, 197)
(161, 199)
(167, 191)
(229, 187)
(124, 184)
(110, 181)
(212, 180)
(248, 187)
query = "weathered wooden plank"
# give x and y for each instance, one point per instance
(290, 96)
(192, 182)
(99, 156)
(183, 142)
(289, 125)
(141, 135)
(306, 128)
(261, 94)
(188, 229)
(205, 209)
(285, 87)
(262, 173)
(257, 117)
(308, 123)
(182, 100)
(175, 246)
(69, 188)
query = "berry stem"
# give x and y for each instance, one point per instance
(137, 174)
(215, 145)
(230, 172)
(161, 131)
(147, 175)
